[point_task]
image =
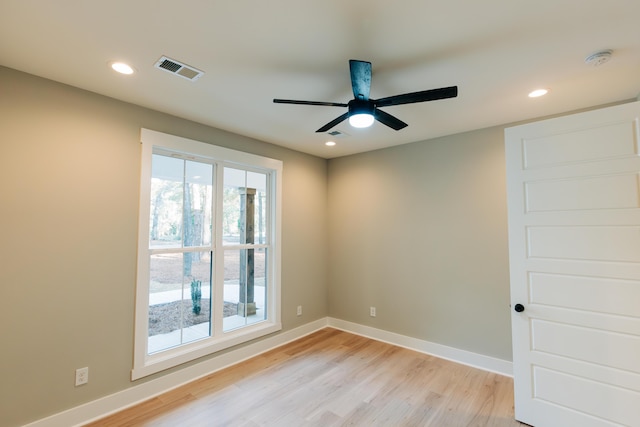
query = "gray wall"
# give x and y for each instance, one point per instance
(420, 232)
(69, 183)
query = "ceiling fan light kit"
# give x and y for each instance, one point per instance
(362, 110)
(363, 120)
(361, 113)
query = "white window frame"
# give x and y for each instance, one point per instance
(145, 364)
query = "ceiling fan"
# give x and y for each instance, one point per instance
(364, 110)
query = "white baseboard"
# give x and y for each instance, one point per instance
(104, 406)
(475, 360)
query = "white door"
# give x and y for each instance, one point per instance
(573, 188)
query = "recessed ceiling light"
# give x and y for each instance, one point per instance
(329, 143)
(122, 68)
(538, 92)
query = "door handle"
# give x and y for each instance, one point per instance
(519, 308)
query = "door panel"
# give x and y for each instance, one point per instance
(596, 294)
(588, 243)
(587, 193)
(615, 350)
(574, 249)
(581, 145)
(605, 401)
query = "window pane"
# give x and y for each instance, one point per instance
(258, 181)
(197, 311)
(177, 314)
(165, 222)
(232, 218)
(244, 287)
(244, 207)
(197, 204)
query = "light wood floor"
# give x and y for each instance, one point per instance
(333, 378)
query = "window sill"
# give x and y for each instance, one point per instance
(170, 358)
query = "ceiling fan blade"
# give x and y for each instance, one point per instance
(333, 122)
(293, 101)
(360, 78)
(422, 96)
(389, 120)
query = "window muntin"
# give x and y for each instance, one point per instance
(197, 253)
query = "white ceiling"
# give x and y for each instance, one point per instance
(252, 51)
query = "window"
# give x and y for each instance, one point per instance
(208, 251)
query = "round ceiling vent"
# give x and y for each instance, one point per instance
(599, 58)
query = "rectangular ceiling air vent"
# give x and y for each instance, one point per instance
(337, 134)
(178, 68)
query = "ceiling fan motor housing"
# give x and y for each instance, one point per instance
(360, 106)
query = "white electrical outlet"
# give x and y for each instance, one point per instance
(372, 311)
(82, 376)
(299, 311)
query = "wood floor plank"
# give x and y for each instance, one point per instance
(332, 378)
